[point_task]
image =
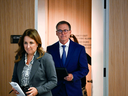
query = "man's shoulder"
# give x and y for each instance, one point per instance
(76, 44)
(55, 44)
(52, 47)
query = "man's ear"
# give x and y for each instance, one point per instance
(56, 33)
(70, 32)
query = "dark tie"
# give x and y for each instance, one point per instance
(63, 55)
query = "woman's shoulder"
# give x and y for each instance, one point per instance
(46, 55)
(47, 58)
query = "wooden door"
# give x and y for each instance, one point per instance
(118, 47)
(78, 14)
(15, 17)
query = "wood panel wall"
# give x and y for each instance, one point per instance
(118, 48)
(78, 14)
(15, 17)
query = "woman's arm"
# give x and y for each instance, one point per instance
(50, 72)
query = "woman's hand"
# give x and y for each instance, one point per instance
(32, 91)
(15, 91)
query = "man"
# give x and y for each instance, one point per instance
(75, 63)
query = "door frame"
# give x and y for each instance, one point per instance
(100, 25)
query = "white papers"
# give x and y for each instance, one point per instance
(17, 87)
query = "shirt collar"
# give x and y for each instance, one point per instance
(32, 58)
(67, 44)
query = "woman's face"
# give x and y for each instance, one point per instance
(30, 45)
(71, 38)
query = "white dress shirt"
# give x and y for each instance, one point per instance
(61, 48)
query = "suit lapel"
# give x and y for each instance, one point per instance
(70, 52)
(57, 56)
(20, 68)
(35, 66)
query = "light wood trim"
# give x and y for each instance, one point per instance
(118, 47)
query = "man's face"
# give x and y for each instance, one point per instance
(63, 33)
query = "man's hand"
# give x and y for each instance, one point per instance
(69, 77)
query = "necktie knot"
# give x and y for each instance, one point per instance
(63, 46)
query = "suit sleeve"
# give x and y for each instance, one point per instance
(83, 66)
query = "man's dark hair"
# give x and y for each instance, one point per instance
(63, 22)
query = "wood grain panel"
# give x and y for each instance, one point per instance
(15, 17)
(78, 14)
(118, 48)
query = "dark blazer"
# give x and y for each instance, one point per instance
(76, 63)
(43, 75)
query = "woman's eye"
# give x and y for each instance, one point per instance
(25, 42)
(31, 42)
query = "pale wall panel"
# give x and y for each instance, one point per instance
(97, 47)
(15, 17)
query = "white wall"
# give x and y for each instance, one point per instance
(40, 19)
(97, 47)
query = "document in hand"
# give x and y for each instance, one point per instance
(17, 87)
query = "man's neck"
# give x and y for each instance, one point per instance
(64, 42)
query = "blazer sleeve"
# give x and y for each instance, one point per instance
(50, 75)
(15, 76)
(83, 66)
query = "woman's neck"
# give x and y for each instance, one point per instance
(29, 58)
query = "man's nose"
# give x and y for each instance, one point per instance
(63, 32)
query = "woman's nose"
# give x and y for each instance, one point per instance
(28, 45)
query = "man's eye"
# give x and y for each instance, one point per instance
(65, 30)
(59, 30)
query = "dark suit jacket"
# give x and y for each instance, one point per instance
(76, 63)
(43, 75)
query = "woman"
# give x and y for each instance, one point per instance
(34, 69)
